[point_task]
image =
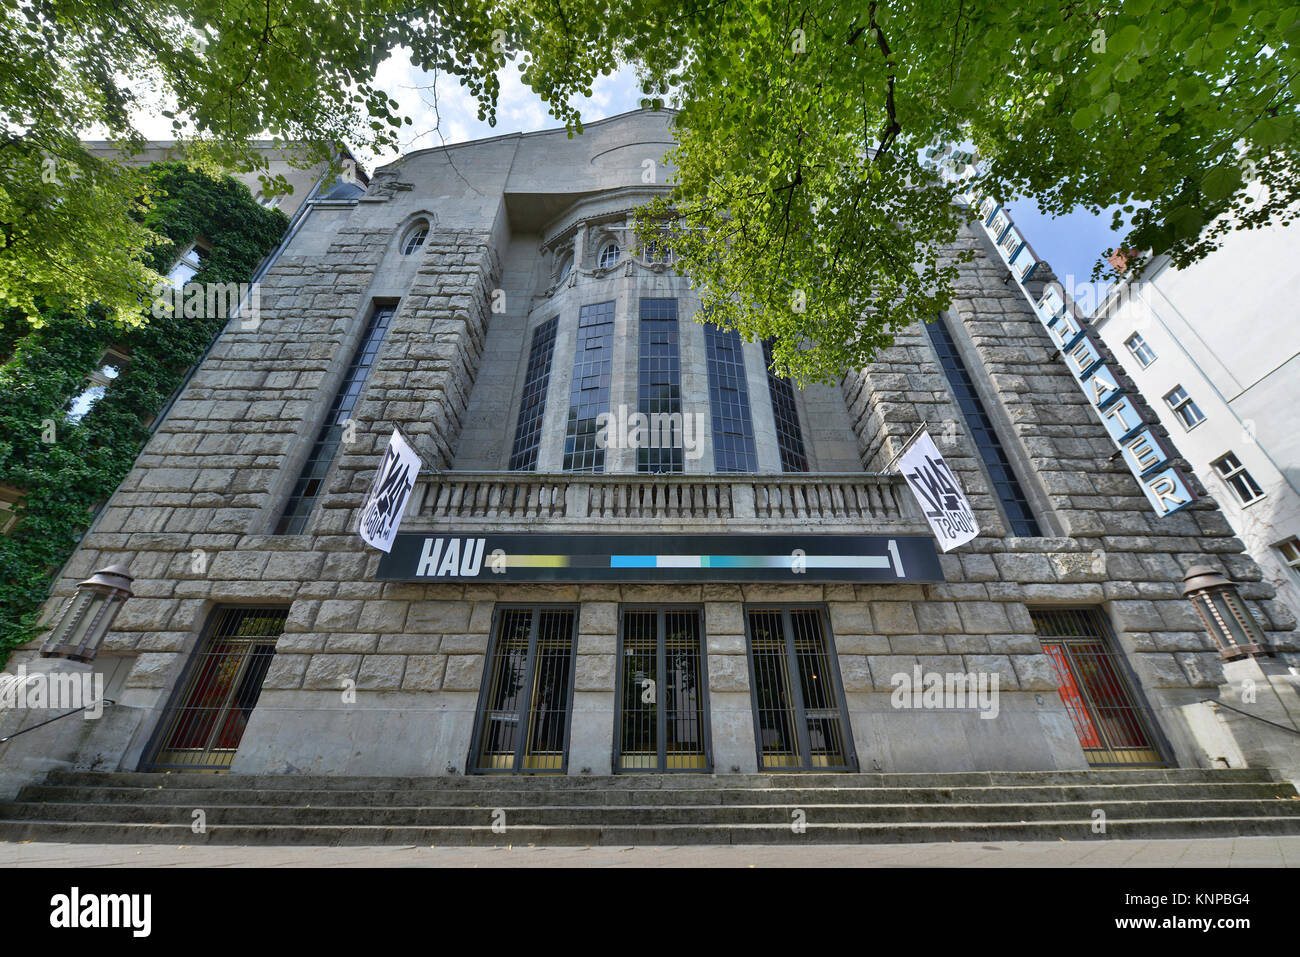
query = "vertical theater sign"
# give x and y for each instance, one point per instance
(1148, 456)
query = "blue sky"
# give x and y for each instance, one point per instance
(1070, 243)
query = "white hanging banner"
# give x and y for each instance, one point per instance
(386, 503)
(937, 492)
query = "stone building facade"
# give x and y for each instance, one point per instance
(424, 305)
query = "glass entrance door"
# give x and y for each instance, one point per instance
(798, 708)
(662, 685)
(523, 722)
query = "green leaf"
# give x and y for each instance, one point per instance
(1122, 43)
(1085, 117)
(1221, 182)
(1272, 130)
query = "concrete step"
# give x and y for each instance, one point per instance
(554, 782)
(881, 833)
(607, 816)
(276, 794)
(649, 809)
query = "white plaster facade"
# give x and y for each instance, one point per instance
(1227, 330)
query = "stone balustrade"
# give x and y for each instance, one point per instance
(845, 503)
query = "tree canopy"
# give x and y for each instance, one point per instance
(807, 205)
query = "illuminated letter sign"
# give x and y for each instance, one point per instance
(1083, 356)
(1064, 329)
(1145, 453)
(1167, 491)
(1100, 386)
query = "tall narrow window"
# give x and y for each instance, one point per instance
(1141, 351)
(307, 489)
(799, 717)
(1241, 482)
(661, 691)
(589, 391)
(659, 387)
(110, 367)
(1112, 721)
(733, 429)
(528, 431)
(1188, 412)
(789, 437)
(205, 720)
(1005, 484)
(527, 693)
(1290, 550)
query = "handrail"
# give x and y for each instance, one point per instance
(1224, 704)
(10, 737)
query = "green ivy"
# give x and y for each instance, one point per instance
(45, 364)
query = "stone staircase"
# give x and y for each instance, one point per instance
(97, 807)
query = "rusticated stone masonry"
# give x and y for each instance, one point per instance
(1104, 543)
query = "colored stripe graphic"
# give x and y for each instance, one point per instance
(536, 561)
(747, 561)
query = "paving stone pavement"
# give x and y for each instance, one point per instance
(1210, 852)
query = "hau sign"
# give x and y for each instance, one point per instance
(532, 557)
(1148, 456)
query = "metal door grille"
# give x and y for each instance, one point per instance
(1113, 725)
(661, 691)
(527, 694)
(202, 729)
(800, 723)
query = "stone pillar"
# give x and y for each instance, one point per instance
(592, 729)
(731, 712)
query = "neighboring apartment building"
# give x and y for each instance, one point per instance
(1215, 348)
(752, 595)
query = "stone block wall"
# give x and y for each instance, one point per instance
(192, 522)
(1104, 546)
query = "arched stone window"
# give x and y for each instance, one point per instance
(415, 237)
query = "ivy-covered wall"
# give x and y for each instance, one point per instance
(44, 366)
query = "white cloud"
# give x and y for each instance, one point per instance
(454, 119)
(444, 112)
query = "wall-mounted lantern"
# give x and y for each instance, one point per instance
(1231, 625)
(85, 618)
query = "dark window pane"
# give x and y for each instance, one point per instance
(592, 363)
(659, 387)
(528, 431)
(733, 430)
(789, 437)
(1005, 484)
(293, 520)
